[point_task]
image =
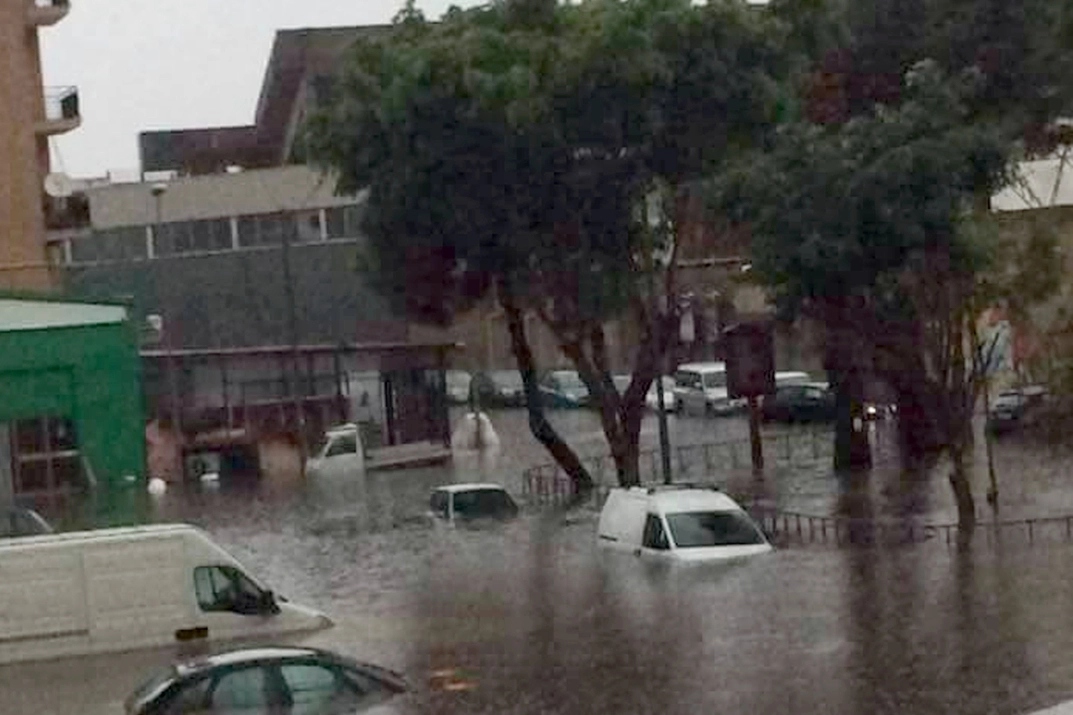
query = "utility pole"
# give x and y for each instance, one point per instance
(292, 331)
(651, 223)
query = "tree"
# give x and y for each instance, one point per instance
(507, 150)
(868, 226)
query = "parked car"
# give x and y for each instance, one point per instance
(678, 523)
(1016, 409)
(564, 388)
(341, 454)
(701, 388)
(458, 386)
(16, 521)
(806, 402)
(499, 388)
(469, 502)
(267, 681)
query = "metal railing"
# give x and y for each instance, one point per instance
(61, 103)
(787, 528)
(548, 483)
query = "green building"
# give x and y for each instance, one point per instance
(71, 408)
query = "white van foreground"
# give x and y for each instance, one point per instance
(678, 523)
(125, 589)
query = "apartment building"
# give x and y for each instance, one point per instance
(30, 113)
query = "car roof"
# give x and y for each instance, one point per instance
(469, 487)
(704, 366)
(681, 497)
(248, 655)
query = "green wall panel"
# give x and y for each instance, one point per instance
(88, 373)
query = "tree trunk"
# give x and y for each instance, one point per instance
(852, 448)
(962, 486)
(538, 422)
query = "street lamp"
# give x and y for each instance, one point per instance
(158, 190)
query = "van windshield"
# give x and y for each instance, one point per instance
(696, 529)
(715, 379)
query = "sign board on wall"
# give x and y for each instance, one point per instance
(750, 360)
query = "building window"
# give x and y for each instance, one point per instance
(264, 230)
(345, 221)
(117, 244)
(182, 237)
(307, 224)
(46, 458)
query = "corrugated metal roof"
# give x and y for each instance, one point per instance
(1042, 184)
(16, 314)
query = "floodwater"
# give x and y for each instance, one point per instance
(532, 618)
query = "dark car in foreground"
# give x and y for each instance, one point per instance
(804, 402)
(1016, 409)
(269, 681)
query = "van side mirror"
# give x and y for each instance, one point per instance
(267, 605)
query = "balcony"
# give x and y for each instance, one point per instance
(42, 13)
(61, 111)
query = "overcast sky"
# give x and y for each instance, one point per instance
(170, 64)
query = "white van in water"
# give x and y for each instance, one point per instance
(124, 589)
(678, 523)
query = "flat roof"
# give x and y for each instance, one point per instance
(17, 314)
(287, 349)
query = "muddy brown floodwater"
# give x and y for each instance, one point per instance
(532, 618)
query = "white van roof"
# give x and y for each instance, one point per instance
(674, 498)
(126, 532)
(704, 366)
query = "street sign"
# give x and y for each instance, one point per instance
(750, 360)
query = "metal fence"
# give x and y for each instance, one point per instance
(788, 528)
(709, 462)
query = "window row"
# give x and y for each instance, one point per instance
(134, 243)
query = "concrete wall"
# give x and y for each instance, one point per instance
(23, 155)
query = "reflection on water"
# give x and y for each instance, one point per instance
(531, 617)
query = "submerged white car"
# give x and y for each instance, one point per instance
(470, 502)
(679, 523)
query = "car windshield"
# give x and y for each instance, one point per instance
(506, 378)
(696, 529)
(715, 379)
(484, 503)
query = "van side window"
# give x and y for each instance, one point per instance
(224, 588)
(654, 536)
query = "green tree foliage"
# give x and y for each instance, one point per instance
(508, 147)
(869, 227)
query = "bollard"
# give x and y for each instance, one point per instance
(1028, 522)
(707, 459)
(798, 525)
